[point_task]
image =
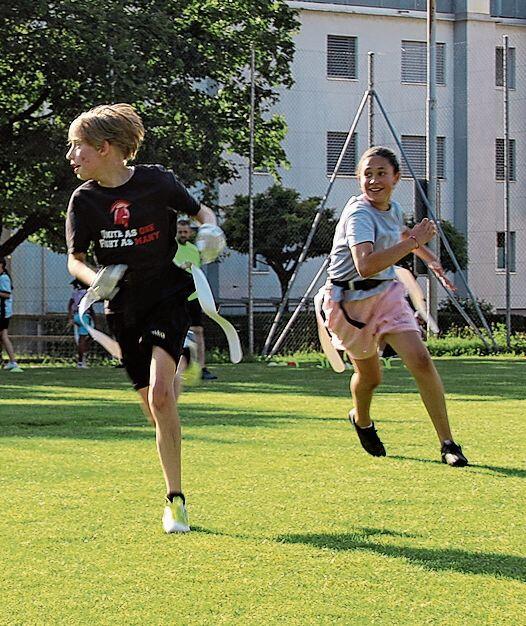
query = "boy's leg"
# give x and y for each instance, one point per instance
(416, 358)
(200, 341)
(163, 407)
(145, 406)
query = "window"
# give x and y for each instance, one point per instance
(260, 266)
(341, 57)
(499, 159)
(335, 143)
(414, 62)
(499, 67)
(501, 251)
(415, 148)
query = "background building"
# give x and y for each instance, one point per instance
(330, 71)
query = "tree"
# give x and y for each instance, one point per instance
(281, 225)
(456, 240)
(182, 63)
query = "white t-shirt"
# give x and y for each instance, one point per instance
(360, 222)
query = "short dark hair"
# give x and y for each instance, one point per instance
(380, 151)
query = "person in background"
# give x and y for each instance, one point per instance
(6, 311)
(187, 255)
(80, 333)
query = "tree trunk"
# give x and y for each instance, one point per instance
(30, 226)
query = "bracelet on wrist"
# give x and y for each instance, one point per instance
(416, 241)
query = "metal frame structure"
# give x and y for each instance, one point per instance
(372, 97)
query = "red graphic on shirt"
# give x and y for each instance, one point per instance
(121, 214)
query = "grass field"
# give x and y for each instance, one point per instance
(292, 522)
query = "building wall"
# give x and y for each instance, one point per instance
(469, 110)
(469, 116)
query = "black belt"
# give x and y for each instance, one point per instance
(359, 285)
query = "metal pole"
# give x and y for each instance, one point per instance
(443, 238)
(431, 148)
(370, 103)
(251, 207)
(314, 226)
(301, 304)
(507, 242)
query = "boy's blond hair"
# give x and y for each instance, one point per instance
(118, 124)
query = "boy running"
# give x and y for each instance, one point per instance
(129, 214)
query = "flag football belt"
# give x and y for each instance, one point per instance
(359, 285)
(206, 300)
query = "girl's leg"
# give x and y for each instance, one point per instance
(367, 376)
(163, 408)
(416, 358)
(8, 345)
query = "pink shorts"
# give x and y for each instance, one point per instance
(383, 314)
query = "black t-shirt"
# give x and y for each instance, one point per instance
(135, 224)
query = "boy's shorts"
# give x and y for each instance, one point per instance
(164, 325)
(385, 313)
(4, 323)
(195, 312)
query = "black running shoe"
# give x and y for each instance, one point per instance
(206, 374)
(369, 439)
(452, 455)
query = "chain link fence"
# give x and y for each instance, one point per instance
(331, 77)
(470, 166)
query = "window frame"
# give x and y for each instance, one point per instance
(440, 157)
(512, 68)
(352, 55)
(353, 145)
(500, 252)
(441, 65)
(257, 265)
(499, 143)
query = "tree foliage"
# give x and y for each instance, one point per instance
(281, 225)
(456, 240)
(182, 63)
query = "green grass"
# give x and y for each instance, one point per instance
(293, 522)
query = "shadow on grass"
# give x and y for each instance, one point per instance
(447, 559)
(463, 377)
(515, 472)
(120, 420)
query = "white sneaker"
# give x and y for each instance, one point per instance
(82, 366)
(11, 365)
(175, 517)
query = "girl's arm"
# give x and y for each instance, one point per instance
(432, 262)
(5, 294)
(368, 262)
(78, 268)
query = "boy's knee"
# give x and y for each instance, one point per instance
(161, 397)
